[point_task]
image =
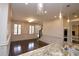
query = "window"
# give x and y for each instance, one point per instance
(17, 29)
(31, 29)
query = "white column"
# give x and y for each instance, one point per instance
(3, 22)
(69, 32)
(3, 27)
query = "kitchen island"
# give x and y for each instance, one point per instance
(52, 50)
(49, 50)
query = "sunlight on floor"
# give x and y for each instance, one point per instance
(17, 49)
(31, 45)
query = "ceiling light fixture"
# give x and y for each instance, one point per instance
(60, 15)
(75, 16)
(68, 20)
(30, 19)
(40, 5)
(40, 8)
(26, 3)
(45, 12)
(55, 16)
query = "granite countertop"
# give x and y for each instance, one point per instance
(51, 50)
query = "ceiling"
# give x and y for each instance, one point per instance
(21, 11)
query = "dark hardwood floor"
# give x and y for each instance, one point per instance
(20, 47)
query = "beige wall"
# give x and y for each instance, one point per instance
(65, 23)
(53, 32)
(24, 26)
(24, 31)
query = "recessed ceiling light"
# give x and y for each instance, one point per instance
(40, 5)
(45, 12)
(55, 16)
(75, 16)
(60, 15)
(26, 3)
(68, 20)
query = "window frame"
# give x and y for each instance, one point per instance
(17, 29)
(31, 29)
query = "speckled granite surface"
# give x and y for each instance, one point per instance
(50, 50)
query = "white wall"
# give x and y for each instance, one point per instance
(3, 22)
(53, 31)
